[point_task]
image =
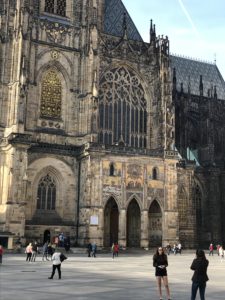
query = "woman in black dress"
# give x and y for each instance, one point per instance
(160, 263)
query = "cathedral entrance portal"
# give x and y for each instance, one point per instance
(155, 225)
(133, 224)
(111, 223)
(47, 236)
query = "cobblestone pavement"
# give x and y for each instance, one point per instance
(130, 276)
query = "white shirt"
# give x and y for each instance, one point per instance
(56, 258)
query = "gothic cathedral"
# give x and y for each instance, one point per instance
(105, 137)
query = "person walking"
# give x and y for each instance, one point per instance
(160, 263)
(211, 249)
(56, 264)
(45, 251)
(89, 249)
(116, 246)
(200, 277)
(29, 252)
(168, 249)
(61, 239)
(221, 253)
(34, 251)
(179, 247)
(94, 249)
(218, 249)
(50, 251)
(113, 250)
(1, 253)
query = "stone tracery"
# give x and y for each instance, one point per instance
(46, 194)
(122, 108)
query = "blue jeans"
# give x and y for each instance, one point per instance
(194, 289)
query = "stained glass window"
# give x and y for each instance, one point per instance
(46, 194)
(111, 169)
(57, 7)
(51, 95)
(198, 204)
(61, 8)
(154, 174)
(49, 6)
(122, 109)
(182, 209)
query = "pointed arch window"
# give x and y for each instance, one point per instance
(198, 204)
(51, 95)
(57, 7)
(154, 174)
(182, 208)
(46, 194)
(122, 109)
(111, 169)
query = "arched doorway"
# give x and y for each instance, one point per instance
(133, 224)
(155, 225)
(111, 222)
(47, 236)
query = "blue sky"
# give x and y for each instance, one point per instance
(196, 28)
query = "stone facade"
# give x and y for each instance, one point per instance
(87, 129)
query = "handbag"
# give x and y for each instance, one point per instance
(62, 257)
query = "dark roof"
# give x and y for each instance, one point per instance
(188, 68)
(114, 17)
(185, 67)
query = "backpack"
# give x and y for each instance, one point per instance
(62, 257)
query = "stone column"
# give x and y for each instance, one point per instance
(122, 228)
(101, 227)
(144, 229)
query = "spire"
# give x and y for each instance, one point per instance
(211, 89)
(125, 25)
(174, 79)
(181, 87)
(152, 32)
(151, 27)
(189, 85)
(94, 87)
(215, 92)
(201, 86)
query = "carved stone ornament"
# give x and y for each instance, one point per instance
(56, 32)
(3, 142)
(55, 54)
(134, 171)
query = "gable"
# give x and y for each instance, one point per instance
(113, 20)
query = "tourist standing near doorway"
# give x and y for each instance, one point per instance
(199, 279)
(160, 263)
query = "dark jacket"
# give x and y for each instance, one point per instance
(200, 265)
(159, 260)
